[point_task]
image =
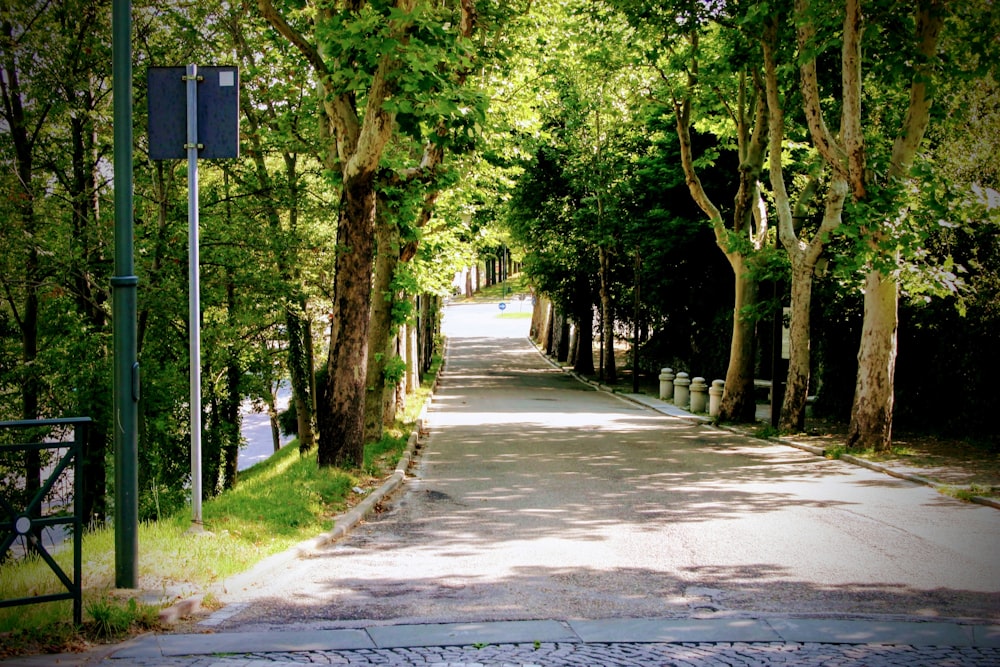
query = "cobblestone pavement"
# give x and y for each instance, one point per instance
(610, 655)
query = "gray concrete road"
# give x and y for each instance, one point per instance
(537, 497)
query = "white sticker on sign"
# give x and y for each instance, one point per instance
(227, 79)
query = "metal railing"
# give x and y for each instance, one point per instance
(26, 519)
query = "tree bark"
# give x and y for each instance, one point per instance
(802, 256)
(341, 425)
(793, 408)
(300, 372)
(871, 412)
(610, 370)
(360, 139)
(585, 342)
(412, 361)
(383, 298)
(562, 350)
(738, 403)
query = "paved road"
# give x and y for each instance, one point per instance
(256, 430)
(538, 500)
(538, 497)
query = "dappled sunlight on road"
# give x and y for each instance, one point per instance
(535, 496)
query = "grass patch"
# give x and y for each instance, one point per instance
(835, 452)
(967, 493)
(508, 289)
(507, 315)
(277, 503)
(766, 432)
(113, 619)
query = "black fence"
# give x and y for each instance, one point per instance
(53, 448)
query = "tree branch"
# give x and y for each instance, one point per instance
(929, 23)
(311, 53)
(824, 142)
(850, 128)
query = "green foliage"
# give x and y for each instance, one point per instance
(395, 369)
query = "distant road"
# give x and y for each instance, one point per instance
(256, 429)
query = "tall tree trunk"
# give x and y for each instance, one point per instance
(300, 371)
(610, 374)
(802, 255)
(396, 398)
(380, 334)
(793, 407)
(211, 444)
(272, 418)
(341, 424)
(433, 324)
(871, 413)
(751, 118)
(551, 323)
(585, 342)
(562, 349)
(545, 322)
(412, 361)
(738, 402)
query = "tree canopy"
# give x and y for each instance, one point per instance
(661, 170)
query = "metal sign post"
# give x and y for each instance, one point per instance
(124, 286)
(207, 127)
(194, 290)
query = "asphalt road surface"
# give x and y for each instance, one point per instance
(537, 497)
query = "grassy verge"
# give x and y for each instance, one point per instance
(509, 289)
(277, 503)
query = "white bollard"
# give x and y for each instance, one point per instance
(699, 395)
(666, 384)
(681, 393)
(715, 397)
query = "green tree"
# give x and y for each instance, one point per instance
(874, 153)
(712, 76)
(53, 86)
(377, 65)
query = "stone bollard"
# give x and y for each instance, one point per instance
(699, 395)
(681, 390)
(666, 384)
(715, 397)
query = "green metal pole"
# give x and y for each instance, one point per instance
(124, 287)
